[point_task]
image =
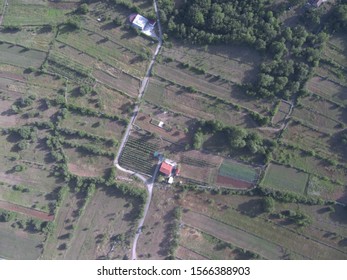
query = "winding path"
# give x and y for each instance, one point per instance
(148, 182)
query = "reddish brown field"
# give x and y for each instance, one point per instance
(27, 211)
(230, 182)
(201, 174)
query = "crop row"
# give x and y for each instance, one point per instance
(141, 143)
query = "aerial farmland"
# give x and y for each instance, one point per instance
(152, 130)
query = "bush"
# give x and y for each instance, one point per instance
(83, 9)
(117, 21)
(73, 23)
(19, 168)
(268, 204)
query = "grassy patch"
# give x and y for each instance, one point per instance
(20, 56)
(238, 171)
(13, 245)
(28, 14)
(285, 178)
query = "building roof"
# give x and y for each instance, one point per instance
(317, 3)
(166, 168)
(139, 21)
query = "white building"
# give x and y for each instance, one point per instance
(138, 21)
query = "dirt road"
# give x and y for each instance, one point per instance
(150, 182)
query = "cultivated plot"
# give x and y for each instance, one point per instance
(285, 178)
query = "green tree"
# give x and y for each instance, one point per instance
(198, 140)
(268, 204)
(83, 9)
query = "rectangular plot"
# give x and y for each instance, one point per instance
(316, 119)
(97, 126)
(228, 91)
(87, 165)
(328, 89)
(105, 49)
(19, 56)
(283, 111)
(334, 53)
(325, 107)
(106, 100)
(231, 62)
(121, 82)
(194, 104)
(31, 14)
(327, 190)
(233, 235)
(233, 183)
(36, 38)
(18, 245)
(138, 155)
(285, 178)
(310, 164)
(313, 140)
(103, 218)
(238, 171)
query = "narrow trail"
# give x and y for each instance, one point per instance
(148, 182)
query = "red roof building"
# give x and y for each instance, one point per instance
(166, 168)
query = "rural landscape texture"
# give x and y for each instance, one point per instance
(172, 129)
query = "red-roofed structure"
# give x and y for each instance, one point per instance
(166, 168)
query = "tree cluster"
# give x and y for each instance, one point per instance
(236, 137)
(251, 22)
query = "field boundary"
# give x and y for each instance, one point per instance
(26, 211)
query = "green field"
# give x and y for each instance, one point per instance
(30, 37)
(19, 56)
(238, 171)
(285, 178)
(23, 14)
(17, 247)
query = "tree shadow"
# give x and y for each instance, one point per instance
(343, 243)
(252, 208)
(108, 26)
(163, 245)
(339, 215)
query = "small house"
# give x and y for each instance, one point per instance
(166, 168)
(316, 3)
(137, 21)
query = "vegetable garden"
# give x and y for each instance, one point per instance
(138, 155)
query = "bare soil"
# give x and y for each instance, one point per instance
(230, 182)
(27, 211)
